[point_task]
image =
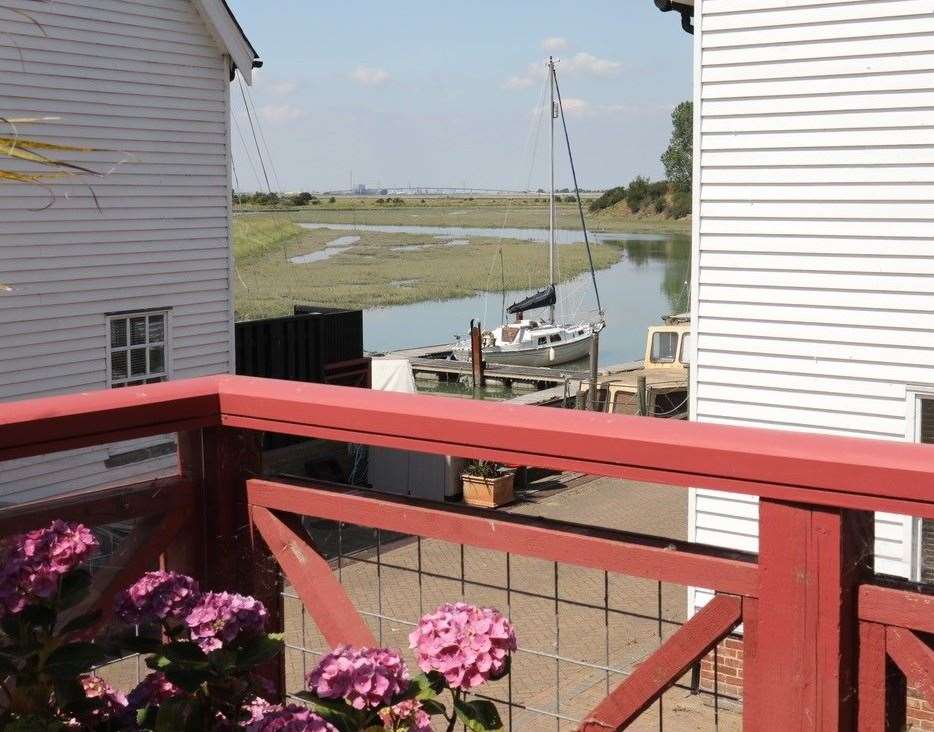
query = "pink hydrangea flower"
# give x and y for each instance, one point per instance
(158, 596)
(363, 677)
(468, 645)
(32, 564)
(290, 718)
(219, 617)
(406, 716)
(152, 691)
(111, 704)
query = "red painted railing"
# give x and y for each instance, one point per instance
(825, 647)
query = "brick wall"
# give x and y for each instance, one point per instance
(729, 675)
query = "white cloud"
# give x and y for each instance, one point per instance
(283, 87)
(369, 76)
(281, 113)
(555, 43)
(587, 63)
(581, 63)
(578, 107)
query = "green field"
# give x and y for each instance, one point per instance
(376, 272)
(524, 212)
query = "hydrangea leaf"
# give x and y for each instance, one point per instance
(478, 716)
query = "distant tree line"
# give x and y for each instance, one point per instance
(671, 197)
(260, 198)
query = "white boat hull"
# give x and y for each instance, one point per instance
(545, 355)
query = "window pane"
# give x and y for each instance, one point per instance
(138, 331)
(663, 347)
(156, 328)
(118, 332)
(118, 365)
(927, 420)
(138, 361)
(686, 348)
(156, 360)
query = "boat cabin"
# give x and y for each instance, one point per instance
(657, 387)
(668, 346)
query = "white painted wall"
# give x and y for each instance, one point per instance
(146, 83)
(813, 283)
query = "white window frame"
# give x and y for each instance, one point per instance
(914, 396)
(166, 374)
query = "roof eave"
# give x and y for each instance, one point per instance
(229, 34)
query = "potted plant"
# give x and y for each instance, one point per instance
(487, 484)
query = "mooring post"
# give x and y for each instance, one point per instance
(642, 396)
(476, 355)
(592, 403)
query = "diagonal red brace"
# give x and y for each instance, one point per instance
(664, 667)
(914, 658)
(311, 576)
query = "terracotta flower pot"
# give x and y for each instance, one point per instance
(488, 492)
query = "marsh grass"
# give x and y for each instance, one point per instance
(524, 212)
(372, 273)
(260, 235)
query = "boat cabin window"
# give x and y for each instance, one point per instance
(555, 338)
(686, 348)
(542, 341)
(664, 347)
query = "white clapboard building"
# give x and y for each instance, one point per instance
(122, 277)
(813, 279)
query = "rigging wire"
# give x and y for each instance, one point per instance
(246, 150)
(255, 140)
(580, 206)
(262, 136)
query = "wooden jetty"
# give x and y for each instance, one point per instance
(541, 377)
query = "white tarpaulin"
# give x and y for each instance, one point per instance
(400, 471)
(392, 374)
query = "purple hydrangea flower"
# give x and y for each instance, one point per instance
(152, 691)
(111, 704)
(158, 596)
(32, 564)
(467, 644)
(406, 716)
(219, 617)
(290, 718)
(363, 677)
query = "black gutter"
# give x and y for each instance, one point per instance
(686, 12)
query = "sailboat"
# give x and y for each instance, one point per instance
(543, 341)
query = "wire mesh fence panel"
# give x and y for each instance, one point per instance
(581, 631)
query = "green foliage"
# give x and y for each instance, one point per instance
(483, 469)
(678, 159)
(680, 204)
(301, 199)
(332, 200)
(608, 199)
(637, 192)
(478, 716)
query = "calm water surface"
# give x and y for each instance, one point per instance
(647, 283)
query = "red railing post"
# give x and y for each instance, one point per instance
(233, 560)
(186, 553)
(811, 561)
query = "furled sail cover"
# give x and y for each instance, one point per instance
(541, 299)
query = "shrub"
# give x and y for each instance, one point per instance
(204, 649)
(609, 198)
(332, 200)
(637, 193)
(680, 204)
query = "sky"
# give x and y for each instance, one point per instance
(447, 93)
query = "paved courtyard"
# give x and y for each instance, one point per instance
(566, 644)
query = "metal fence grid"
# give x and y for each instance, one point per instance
(361, 564)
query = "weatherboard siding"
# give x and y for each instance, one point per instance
(145, 84)
(814, 259)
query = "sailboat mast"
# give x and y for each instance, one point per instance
(551, 204)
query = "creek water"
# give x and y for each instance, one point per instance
(648, 282)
